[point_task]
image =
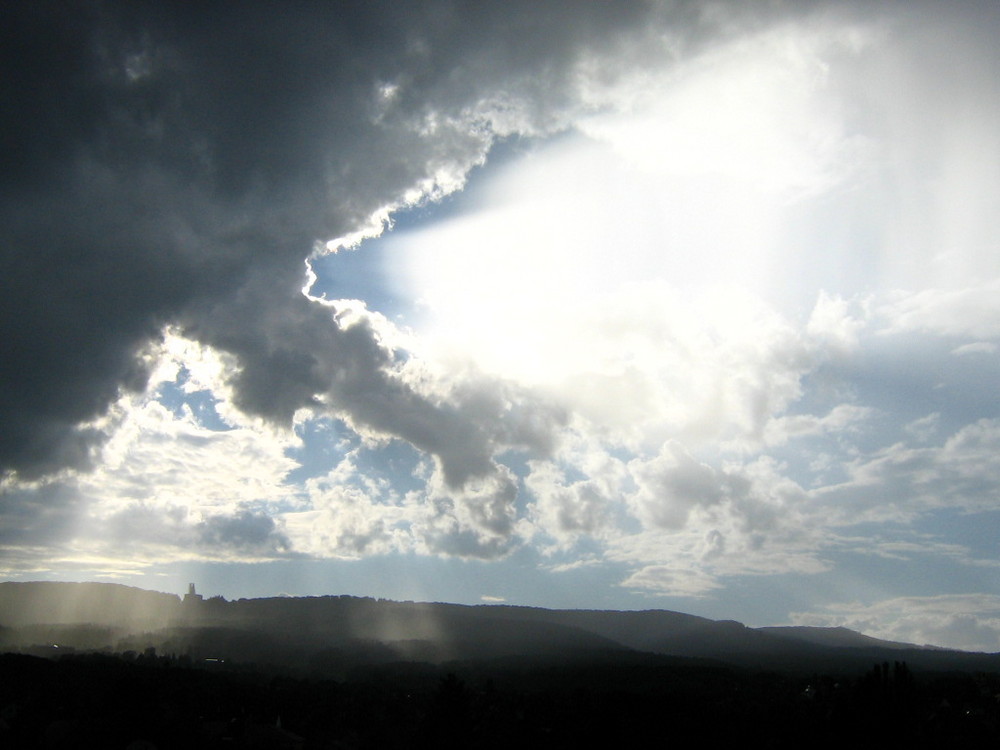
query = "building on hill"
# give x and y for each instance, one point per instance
(192, 595)
(192, 599)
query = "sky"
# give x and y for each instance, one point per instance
(631, 305)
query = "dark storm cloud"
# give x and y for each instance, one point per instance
(173, 164)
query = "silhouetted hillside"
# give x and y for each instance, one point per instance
(835, 637)
(638, 630)
(333, 635)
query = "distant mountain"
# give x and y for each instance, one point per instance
(58, 603)
(835, 637)
(333, 634)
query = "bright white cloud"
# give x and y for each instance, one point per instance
(174, 483)
(754, 113)
(350, 516)
(695, 522)
(833, 323)
(672, 484)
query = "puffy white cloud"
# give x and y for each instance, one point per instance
(160, 459)
(754, 498)
(788, 138)
(738, 519)
(673, 483)
(831, 322)
(478, 521)
(351, 511)
(566, 510)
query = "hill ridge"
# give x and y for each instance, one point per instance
(349, 630)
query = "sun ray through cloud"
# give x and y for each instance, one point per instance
(650, 305)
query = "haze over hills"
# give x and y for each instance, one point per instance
(334, 633)
(344, 671)
(57, 603)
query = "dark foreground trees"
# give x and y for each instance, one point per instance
(114, 701)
